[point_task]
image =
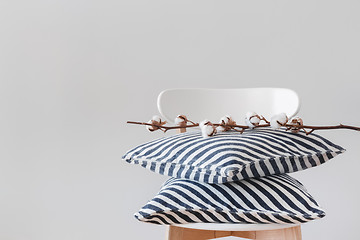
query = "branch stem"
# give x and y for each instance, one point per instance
(243, 127)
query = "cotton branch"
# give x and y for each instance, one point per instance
(313, 128)
(227, 123)
(165, 128)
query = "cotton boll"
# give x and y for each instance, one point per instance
(296, 121)
(207, 128)
(180, 120)
(156, 118)
(157, 121)
(282, 118)
(255, 120)
(150, 128)
(207, 131)
(220, 129)
(202, 124)
(226, 122)
(252, 119)
(249, 124)
(274, 124)
(250, 114)
(278, 120)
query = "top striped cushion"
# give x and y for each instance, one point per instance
(230, 156)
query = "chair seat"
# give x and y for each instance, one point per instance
(235, 227)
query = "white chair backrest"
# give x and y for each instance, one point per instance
(212, 104)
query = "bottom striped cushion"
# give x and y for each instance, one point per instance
(272, 199)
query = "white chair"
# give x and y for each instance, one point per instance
(212, 104)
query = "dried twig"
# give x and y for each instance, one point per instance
(289, 126)
(165, 128)
(226, 124)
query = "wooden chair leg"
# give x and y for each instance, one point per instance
(179, 233)
(244, 234)
(293, 233)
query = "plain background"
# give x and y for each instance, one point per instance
(72, 73)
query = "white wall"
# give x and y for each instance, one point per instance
(72, 72)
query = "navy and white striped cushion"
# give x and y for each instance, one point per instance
(230, 156)
(272, 199)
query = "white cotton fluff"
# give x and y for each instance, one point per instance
(207, 129)
(150, 128)
(225, 119)
(156, 118)
(296, 120)
(252, 119)
(220, 129)
(202, 123)
(278, 120)
(179, 120)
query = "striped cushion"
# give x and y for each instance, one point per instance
(272, 199)
(230, 156)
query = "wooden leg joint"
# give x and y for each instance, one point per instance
(180, 233)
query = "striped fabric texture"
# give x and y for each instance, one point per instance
(272, 199)
(230, 156)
